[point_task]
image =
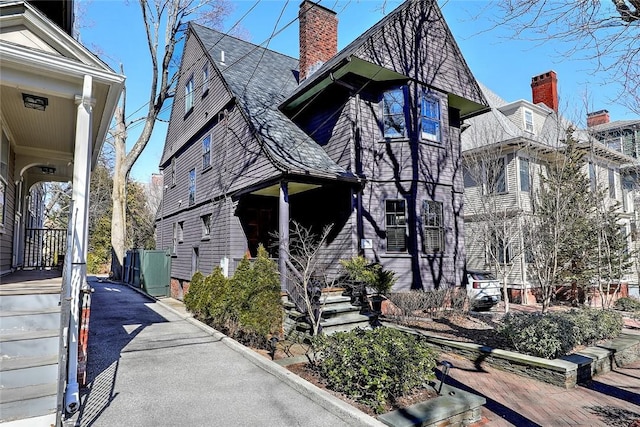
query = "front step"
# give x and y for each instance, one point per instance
(26, 402)
(338, 315)
(29, 345)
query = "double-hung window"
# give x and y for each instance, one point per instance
(592, 176)
(525, 175)
(206, 152)
(174, 239)
(528, 120)
(206, 226)
(612, 183)
(393, 113)
(433, 223)
(188, 95)
(192, 187)
(495, 176)
(430, 118)
(395, 214)
(173, 171)
(205, 79)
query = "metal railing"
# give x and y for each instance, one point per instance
(44, 247)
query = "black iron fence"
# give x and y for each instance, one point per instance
(44, 247)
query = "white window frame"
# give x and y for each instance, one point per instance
(192, 186)
(390, 100)
(174, 239)
(206, 152)
(205, 79)
(188, 95)
(180, 231)
(173, 172)
(485, 178)
(433, 225)
(434, 117)
(398, 222)
(521, 169)
(612, 183)
(528, 120)
(205, 221)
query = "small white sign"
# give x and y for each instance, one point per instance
(366, 243)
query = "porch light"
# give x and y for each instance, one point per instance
(36, 102)
(48, 170)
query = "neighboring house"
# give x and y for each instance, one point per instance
(504, 152)
(623, 136)
(366, 140)
(57, 100)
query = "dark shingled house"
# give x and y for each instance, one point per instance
(366, 139)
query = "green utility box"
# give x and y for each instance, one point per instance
(149, 270)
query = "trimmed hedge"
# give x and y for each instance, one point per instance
(246, 307)
(627, 304)
(553, 335)
(374, 366)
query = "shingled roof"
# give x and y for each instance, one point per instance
(260, 79)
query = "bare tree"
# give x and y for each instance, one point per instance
(164, 22)
(306, 272)
(605, 33)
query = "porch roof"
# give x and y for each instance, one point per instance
(41, 61)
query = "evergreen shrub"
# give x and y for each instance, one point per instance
(627, 304)
(374, 366)
(553, 335)
(246, 307)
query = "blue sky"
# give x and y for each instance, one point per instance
(114, 29)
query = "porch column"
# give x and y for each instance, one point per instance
(283, 229)
(79, 234)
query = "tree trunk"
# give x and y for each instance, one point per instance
(505, 292)
(119, 199)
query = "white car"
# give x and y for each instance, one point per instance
(483, 289)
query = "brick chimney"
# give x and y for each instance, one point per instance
(318, 36)
(597, 118)
(544, 88)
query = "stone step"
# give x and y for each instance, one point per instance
(26, 371)
(26, 402)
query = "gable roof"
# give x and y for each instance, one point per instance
(615, 125)
(361, 57)
(260, 79)
(495, 128)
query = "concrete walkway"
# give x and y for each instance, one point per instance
(150, 365)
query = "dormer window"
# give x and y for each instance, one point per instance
(528, 120)
(430, 118)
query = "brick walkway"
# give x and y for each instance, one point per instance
(611, 400)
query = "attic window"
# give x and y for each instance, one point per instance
(393, 113)
(205, 79)
(188, 96)
(528, 120)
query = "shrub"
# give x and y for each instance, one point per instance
(257, 292)
(246, 307)
(627, 304)
(552, 335)
(436, 303)
(374, 366)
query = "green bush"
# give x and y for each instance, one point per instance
(257, 298)
(553, 335)
(627, 304)
(246, 307)
(374, 366)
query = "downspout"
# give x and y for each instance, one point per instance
(81, 175)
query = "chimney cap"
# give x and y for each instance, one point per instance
(597, 113)
(544, 77)
(317, 5)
